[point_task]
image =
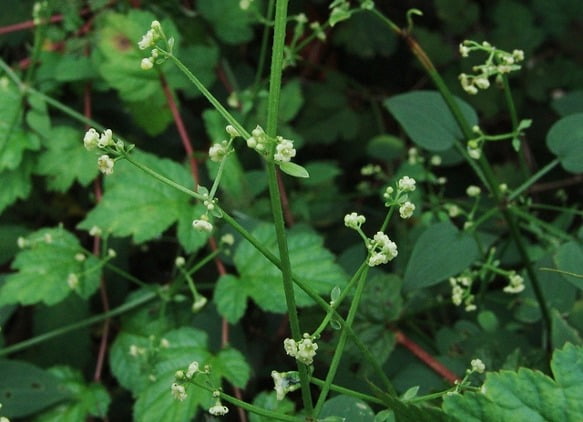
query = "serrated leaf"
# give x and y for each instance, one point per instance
(16, 184)
(440, 252)
(152, 114)
(526, 395)
(562, 332)
(85, 399)
(309, 260)
(26, 389)
(427, 120)
(14, 140)
(381, 300)
(138, 361)
(233, 366)
(230, 23)
(72, 67)
(135, 204)
(191, 240)
(65, 160)
(565, 140)
(230, 297)
(44, 267)
(37, 116)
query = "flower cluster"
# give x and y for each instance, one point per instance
(218, 151)
(461, 288)
(405, 185)
(354, 220)
(105, 142)
(381, 249)
(515, 283)
(149, 40)
(498, 63)
(303, 350)
(285, 382)
(218, 409)
(477, 366)
(284, 150)
(473, 191)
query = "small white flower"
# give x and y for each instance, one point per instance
(105, 164)
(218, 151)
(228, 239)
(377, 259)
(464, 50)
(232, 131)
(474, 152)
(284, 150)
(179, 261)
(73, 281)
(285, 382)
(155, 26)
(106, 139)
(218, 409)
(147, 63)
(291, 347)
(80, 257)
(515, 283)
(178, 391)
(95, 231)
(90, 139)
(111, 253)
(164, 343)
(202, 225)
(473, 191)
(478, 366)
(192, 369)
(406, 210)
(388, 192)
(407, 184)
(306, 350)
(354, 220)
(147, 40)
(252, 142)
(435, 160)
(21, 242)
(518, 55)
(244, 4)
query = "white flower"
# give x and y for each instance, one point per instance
(178, 391)
(478, 366)
(73, 281)
(284, 150)
(106, 139)
(388, 192)
(202, 225)
(407, 184)
(474, 152)
(515, 283)
(80, 257)
(164, 343)
(147, 63)
(464, 50)
(21, 242)
(218, 409)
(228, 239)
(285, 382)
(406, 210)
(377, 259)
(179, 261)
(192, 369)
(218, 151)
(90, 139)
(472, 191)
(95, 231)
(518, 55)
(354, 220)
(233, 133)
(147, 40)
(244, 4)
(306, 350)
(155, 26)
(435, 160)
(291, 347)
(387, 245)
(105, 164)
(482, 82)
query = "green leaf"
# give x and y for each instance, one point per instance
(385, 148)
(135, 204)
(350, 409)
(9, 235)
(309, 260)
(202, 61)
(365, 35)
(85, 399)
(526, 395)
(16, 184)
(14, 141)
(569, 103)
(427, 120)
(26, 389)
(268, 400)
(233, 366)
(569, 257)
(458, 15)
(562, 332)
(37, 116)
(191, 240)
(381, 300)
(230, 24)
(505, 35)
(65, 160)
(291, 101)
(152, 114)
(565, 140)
(230, 297)
(321, 173)
(73, 67)
(294, 169)
(44, 267)
(139, 360)
(440, 252)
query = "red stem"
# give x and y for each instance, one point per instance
(425, 357)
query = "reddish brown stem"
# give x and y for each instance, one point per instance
(425, 357)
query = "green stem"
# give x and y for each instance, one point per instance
(263, 49)
(339, 350)
(533, 179)
(78, 325)
(514, 119)
(210, 97)
(347, 391)
(274, 193)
